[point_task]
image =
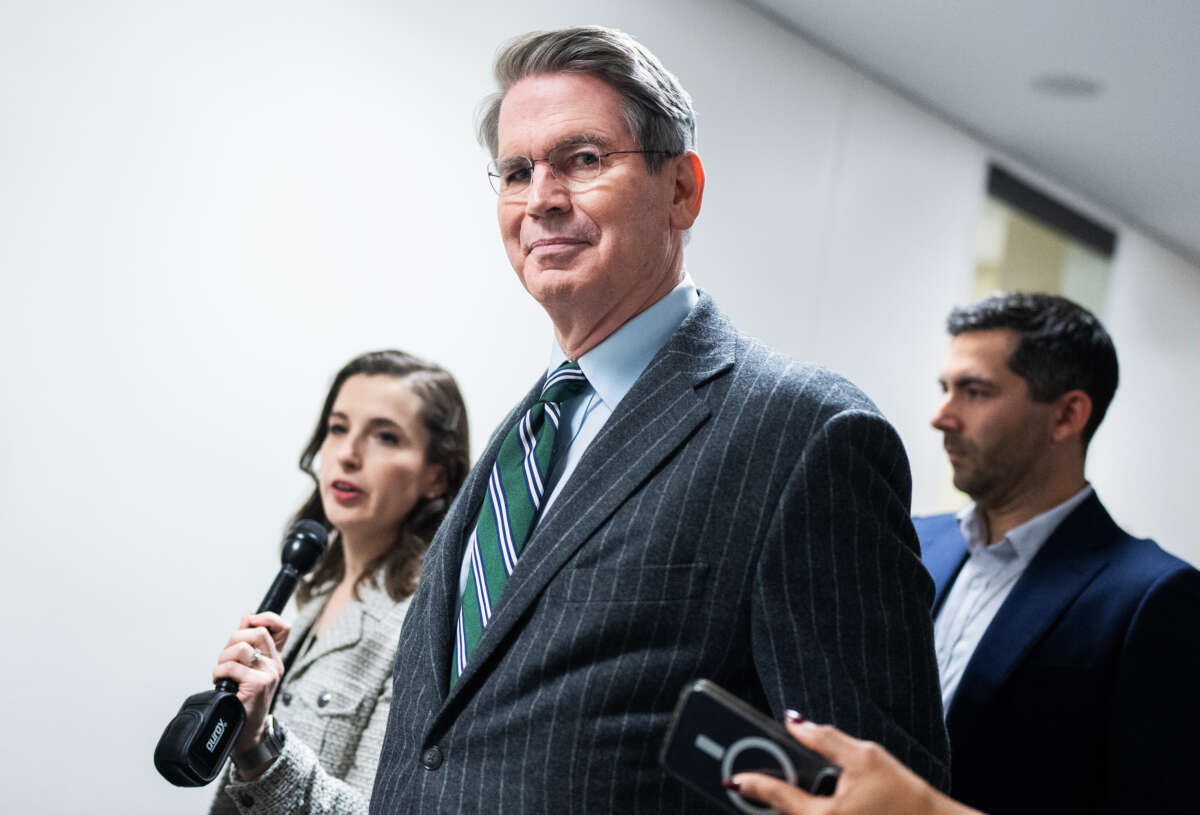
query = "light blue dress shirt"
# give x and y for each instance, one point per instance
(983, 584)
(611, 369)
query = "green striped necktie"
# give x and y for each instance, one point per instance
(506, 518)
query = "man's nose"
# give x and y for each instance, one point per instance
(944, 418)
(547, 193)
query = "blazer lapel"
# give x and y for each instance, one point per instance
(658, 414)
(306, 615)
(446, 553)
(344, 632)
(1071, 557)
(944, 558)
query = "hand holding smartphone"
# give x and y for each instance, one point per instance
(714, 735)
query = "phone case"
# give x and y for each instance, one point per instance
(714, 735)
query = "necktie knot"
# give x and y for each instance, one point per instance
(567, 380)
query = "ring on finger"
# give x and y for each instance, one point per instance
(254, 657)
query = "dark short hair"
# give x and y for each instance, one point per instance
(445, 418)
(658, 111)
(1062, 346)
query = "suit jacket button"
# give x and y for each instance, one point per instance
(323, 699)
(431, 759)
(286, 698)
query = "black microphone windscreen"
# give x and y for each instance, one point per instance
(303, 545)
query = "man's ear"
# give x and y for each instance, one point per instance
(1071, 413)
(687, 190)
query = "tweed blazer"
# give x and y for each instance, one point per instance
(739, 517)
(334, 702)
(1082, 695)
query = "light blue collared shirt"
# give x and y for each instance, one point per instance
(611, 369)
(983, 584)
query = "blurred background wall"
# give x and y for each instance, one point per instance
(208, 207)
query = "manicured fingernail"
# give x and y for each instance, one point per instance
(793, 716)
(730, 784)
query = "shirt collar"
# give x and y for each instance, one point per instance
(1025, 540)
(615, 364)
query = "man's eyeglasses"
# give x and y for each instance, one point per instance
(576, 165)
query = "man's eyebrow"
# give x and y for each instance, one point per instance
(967, 381)
(593, 139)
(576, 140)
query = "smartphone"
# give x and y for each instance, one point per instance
(714, 735)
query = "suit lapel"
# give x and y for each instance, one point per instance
(446, 553)
(659, 413)
(1071, 557)
(944, 555)
(306, 615)
(343, 632)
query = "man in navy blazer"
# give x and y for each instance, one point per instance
(712, 509)
(1068, 650)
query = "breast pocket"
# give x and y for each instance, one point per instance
(630, 584)
(334, 714)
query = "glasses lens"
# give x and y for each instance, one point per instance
(510, 176)
(579, 163)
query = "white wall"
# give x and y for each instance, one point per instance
(209, 207)
(1144, 458)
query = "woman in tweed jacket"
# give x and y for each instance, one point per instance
(388, 454)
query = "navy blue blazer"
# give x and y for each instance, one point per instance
(1084, 692)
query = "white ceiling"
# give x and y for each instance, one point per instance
(1133, 148)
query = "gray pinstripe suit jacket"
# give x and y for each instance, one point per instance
(739, 517)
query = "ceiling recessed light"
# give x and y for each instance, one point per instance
(1066, 86)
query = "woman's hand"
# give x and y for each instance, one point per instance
(251, 659)
(872, 781)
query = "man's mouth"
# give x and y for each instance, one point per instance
(955, 453)
(550, 244)
(954, 448)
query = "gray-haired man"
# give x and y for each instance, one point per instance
(672, 500)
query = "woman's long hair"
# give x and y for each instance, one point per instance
(445, 417)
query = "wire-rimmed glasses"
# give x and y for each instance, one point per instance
(577, 165)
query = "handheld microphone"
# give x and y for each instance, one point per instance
(196, 743)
